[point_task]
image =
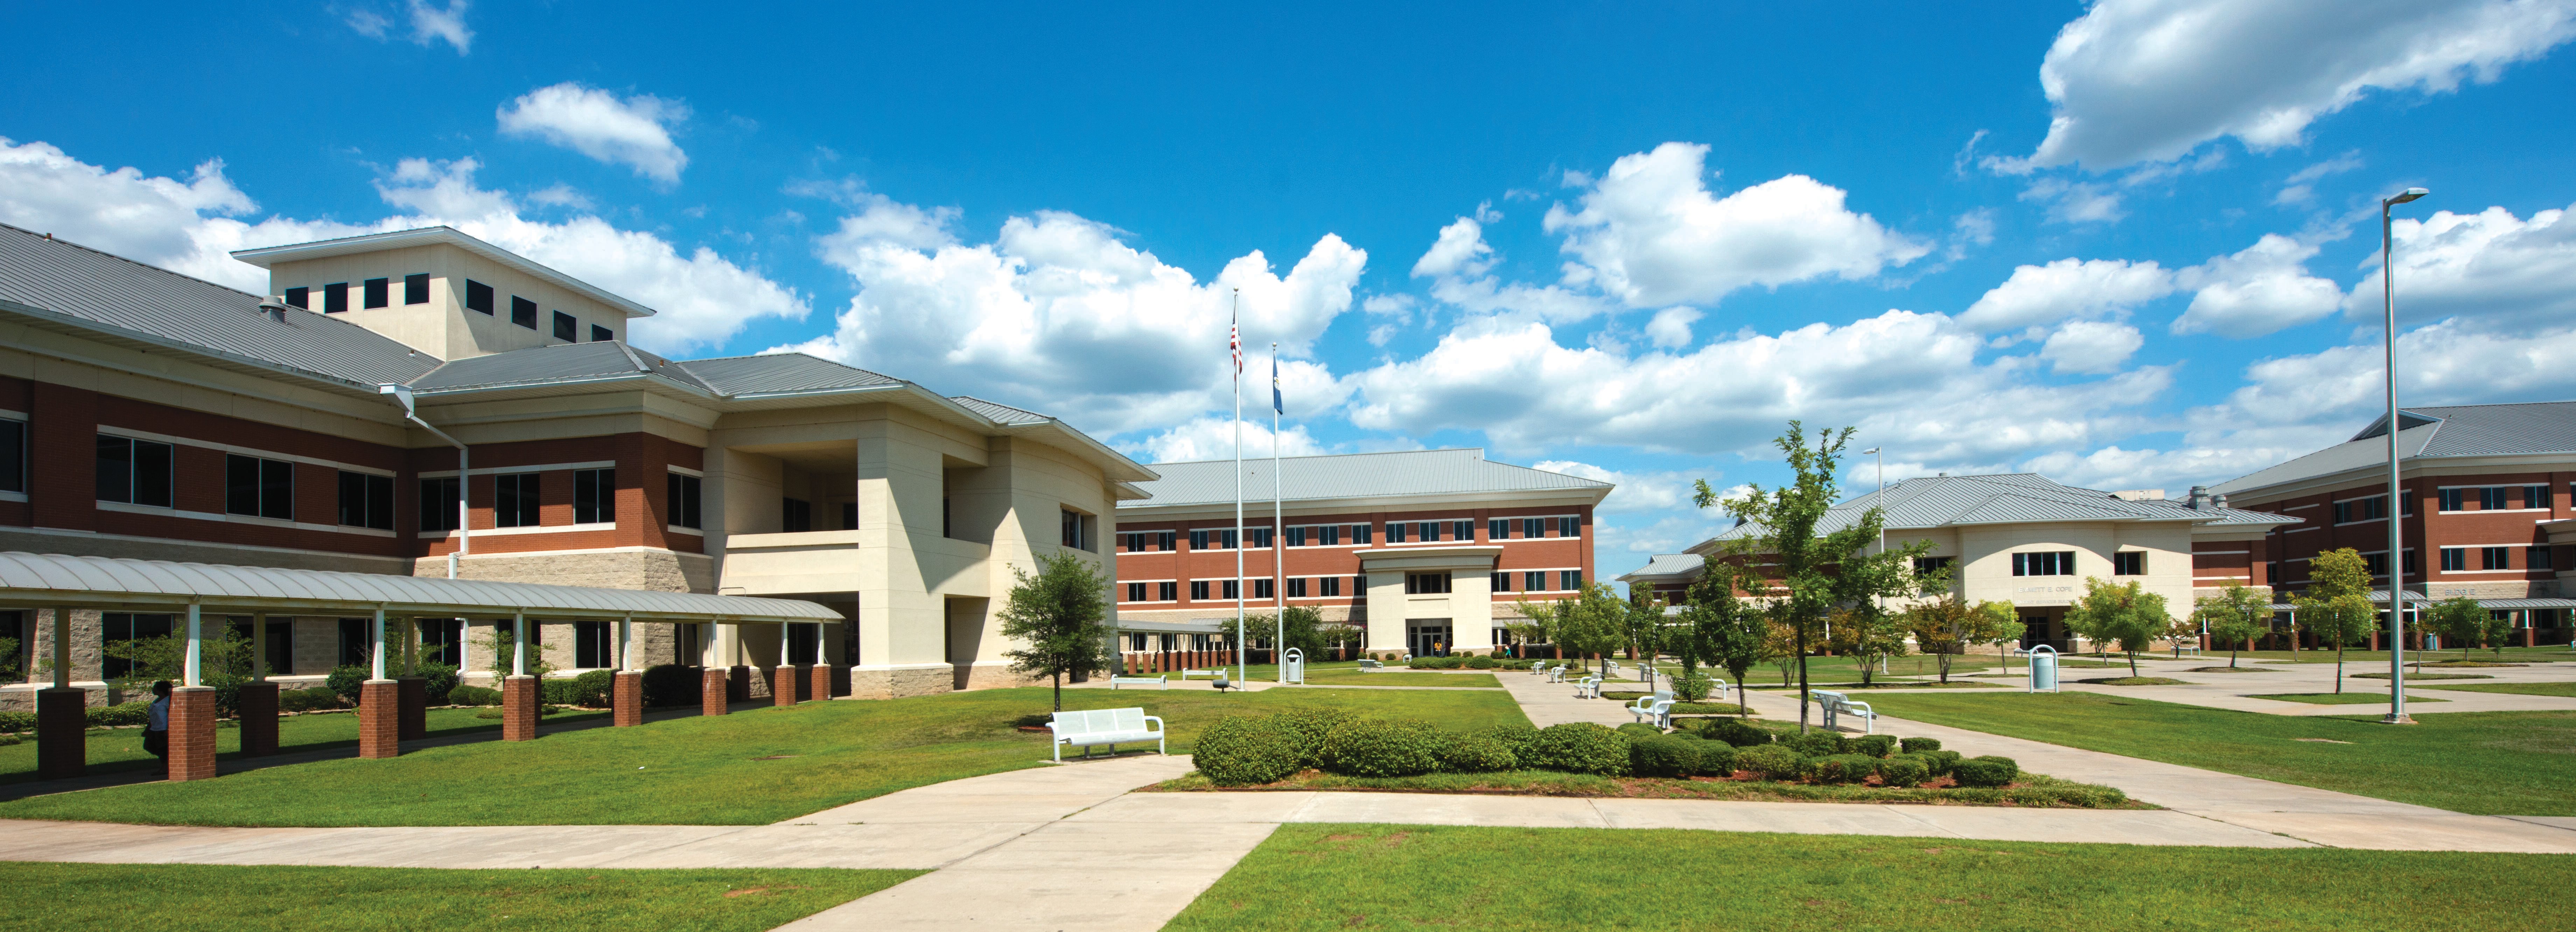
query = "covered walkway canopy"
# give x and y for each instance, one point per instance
(121, 583)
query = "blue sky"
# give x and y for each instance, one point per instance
(2126, 244)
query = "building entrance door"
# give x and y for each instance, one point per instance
(1430, 640)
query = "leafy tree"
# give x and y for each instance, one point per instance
(2461, 619)
(1725, 631)
(2496, 631)
(9, 660)
(1819, 568)
(2127, 615)
(1058, 617)
(1947, 626)
(2336, 605)
(223, 662)
(1302, 626)
(498, 644)
(1642, 624)
(2234, 616)
(1866, 636)
(1593, 622)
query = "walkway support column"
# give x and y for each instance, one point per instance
(626, 688)
(411, 687)
(379, 702)
(192, 709)
(715, 681)
(257, 702)
(519, 690)
(782, 679)
(821, 673)
(62, 714)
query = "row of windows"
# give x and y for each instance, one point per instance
(2494, 497)
(1328, 587)
(1332, 535)
(523, 312)
(2057, 563)
(376, 292)
(2456, 559)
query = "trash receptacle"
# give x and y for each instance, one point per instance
(1292, 666)
(2043, 668)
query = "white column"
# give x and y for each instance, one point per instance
(519, 643)
(782, 644)
(464, 647)
(626, 643)
(196, 641)
(378, 662)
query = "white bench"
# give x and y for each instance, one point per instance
(1158, 682)
(1658, 707)
(1839, 704)
(1587, 688)
(1111, 727)
(1371, 665)
(1186, 674)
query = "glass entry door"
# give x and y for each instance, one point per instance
(1430, 640)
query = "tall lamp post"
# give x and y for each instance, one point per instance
(2396, 499)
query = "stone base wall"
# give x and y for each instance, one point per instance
(994, 674)
(2500, 589)
(87, 633)
(2205, 592)
(652, 570)
(901, 682)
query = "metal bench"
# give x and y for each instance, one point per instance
(1371, 665)
(1657, 707)
(1186, 674)
(1095, 727)
(1158, 682)
(1837, 704)
(1587, 688)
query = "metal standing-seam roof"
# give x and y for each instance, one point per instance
(1000, 413)
(781, 372)
(2531, 428)
(69, 285)
(1666, 564)
(1356, 475)
(1944, 501)
(111, 582)
(562, 362)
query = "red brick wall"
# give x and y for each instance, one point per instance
(1184, 564)
(639, 458)
(2429, 529)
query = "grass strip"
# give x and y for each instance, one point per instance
(2519, 689)
(748, 768)
(2487, 763)
(1331, 877)
(2031, 791)
(1401, 678)
(112, 750)
(2341, 698)
(124, 897)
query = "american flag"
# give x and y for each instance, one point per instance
(1234, 342)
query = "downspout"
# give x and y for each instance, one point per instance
(464, 473)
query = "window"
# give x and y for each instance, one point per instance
(1264, 589)
(299, 297)
(356, 637)
(1569, 526)
(2495, 558)
(1463, 530)
(281, 648)
(1167, 592)
(1359, 533)
(1498, 528)
(1078, 529)
(2455, 559)
(2413, 565)
(1198, 590)
(263, 488)
(1331, 585)
(416, 288)
(523, 312)
(2129, 563)
(599, 334)
(1501, 582)
(683, 502)
(514, 500)
(1135, 592)
(1430, 532)
(566, 328)
(1297, 588)
(136, 472)
(1131, 542)
(2377, 563)
(590, 644)
(2055, 563)
(1219, 539)
(13, 456)
(335, 298)
(379, 292)
(2536, 558)
(1233, 589)
(1534, 580)
(2450, 499)
(2535, 496)
(441, 640)
(478, 296)
(1394, 532)
(795, 515)
(594, 496)
(2491, 498)
(1296, 537)
(1569, 580)
(366, 500)
(1260, 538)
(438, 504)
(849, 516)
(1359, 585)
(127, 628)
(1533, 527)
(1426, 583)
(1925, 566)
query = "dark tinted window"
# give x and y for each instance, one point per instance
(416, 289)
(438, 504)
(121, 628)
(599, 334)
(335, 298)
(514, 500)
(683, 503)
(299, 297)
(13, 456)
(135, 472)
(566, 329)
(523, 312)
(355, 636)
(380, 292)
(594, 496)
(478, 296)
(366, 500)
(795, 515)
(590, 644)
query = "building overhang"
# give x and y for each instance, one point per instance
(267, 257)
(1476, 557)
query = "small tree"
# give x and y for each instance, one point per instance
(1866, 636)
(2336, 605)
(2126, 615)
(2495, 631)
(2234, 616)
(2462, 620)
(1947, 626)
(1724, 631)
(1058, 618)
(9, 660)
(499, 643)
(1642, 624)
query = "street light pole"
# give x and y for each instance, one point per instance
(2396, 501)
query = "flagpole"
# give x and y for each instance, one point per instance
(1278, 532)
(1234, 338)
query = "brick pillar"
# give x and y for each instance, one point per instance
(258, 718)
(2526, 637)
(2374, 640)
(379, 719)
(414, 707)
(62, 733)
(820, 676)
(782, 684)
(715, 685)
(518, 708)
(626, 697)
(192, 733)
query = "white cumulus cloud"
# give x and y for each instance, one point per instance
(2037, 295)
(2091, 347)
(2490, 268)
(1671, 327)
(2148, 80)
(2259, 290)
(1212, 438)
(634, 132)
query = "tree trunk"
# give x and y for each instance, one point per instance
(1802, 679)
(2133, 664)
(1741, 709)
(2338, 668)
(2231, 658)
(1057, 679)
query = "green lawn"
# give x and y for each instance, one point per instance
(1352, 677)
(119, 749)
(2551, 654)
(706, 771)
(2352, 698)
(125, 897)
(2489, 763)
(1331, 877)
(2521, 689)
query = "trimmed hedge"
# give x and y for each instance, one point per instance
(1664, 756)
(1874, 745)
(1477, 754)
(1988, 771)
(473, 695)
(348, 680)
(1580, 747)
(1638, 731)
(1903, 770)
(1310, 727)
(1736, 731)
(1243, 750)
(1941, 762)
(313, 698)
(1920, 745)
(671, 684)
(1375, 747)
(1815, 743)
(15, 722)
(1521, 740)
(137, 712)
(1480, 663)
(1716, 758)
(1841, 768)
(439, 680)
(1768, 761)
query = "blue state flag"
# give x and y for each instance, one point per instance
(1275, 405)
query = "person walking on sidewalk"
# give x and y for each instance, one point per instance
(156, 729)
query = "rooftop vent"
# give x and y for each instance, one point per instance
(275, 307)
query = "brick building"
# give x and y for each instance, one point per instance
(2490, 490)
(1418, 548)
(147, 414)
